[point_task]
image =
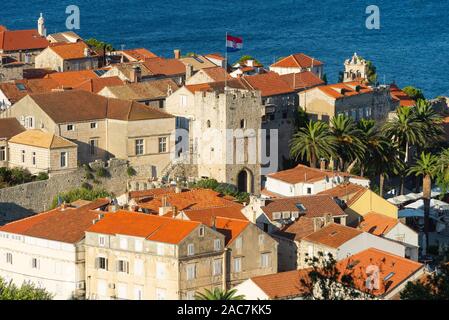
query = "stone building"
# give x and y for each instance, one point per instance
(223, 126)
(9, 127)
(354, 99)
(40, 151)
(297, 63)
(356, 69)
(63, 57)
(102, 128)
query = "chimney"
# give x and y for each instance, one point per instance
(178, 189)
(41, 26)
(250, 63)
(177, 53)
(136, 74)
(189, 71)
(212, 222)
(322, 164)
(86, 52)
(174, 211)
(63, 206)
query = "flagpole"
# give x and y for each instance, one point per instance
(226, 62)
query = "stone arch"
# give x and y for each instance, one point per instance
(245, 181)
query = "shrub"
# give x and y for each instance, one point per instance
(80, 194)
(28, 291)
(131, 171)
(89, 176)
(101, 172)
(86, 186)
(42, 176)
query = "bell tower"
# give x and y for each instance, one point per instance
(355, 69)
(41, 26)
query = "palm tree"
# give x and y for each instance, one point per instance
(313, 142)
(406, 131)
(347, 136)
(431, 121)
(218, 294)
(442, 171)
(426, 166)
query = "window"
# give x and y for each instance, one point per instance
(242, 123)
(139, 147)
(23, 156)
(138, 267)
(101, 263)
(216, 267)
(63, 159)
(191, 271)
(160, 249)
(265, 260)
(93, 144)
(160, 270)
(162, 144)
(101, 241)
(309, 190)
(265, 227)
(29, 122)
(2, 153)
(70, 127)
(190, 249)
(93, 125)
(201, 232)
(217, 244)
(161, 294)
(183, 101)
(138, 245)
(9, 258)
(33, 158)
(123, 243)
(238, 243)
(34, 263)
(123, 266)
(237, 264)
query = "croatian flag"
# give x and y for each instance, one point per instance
(233, 44)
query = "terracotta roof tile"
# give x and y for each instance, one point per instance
(150, 227)
(302, 80)
(344, 191)
(151, 193)
(269, 84)
(230, 228)
(404, 99)
(157, 89)
(298, 60)
(393, 270)
(41, 139)
(9, 127)
(95, 85)
(283, 285)
(71, 79)
(297, 230)
(197, 62)
(47, 225)
(333, 235)
(377, 224)
(72, 51)
(315, 205)
(15, 40)
(343, 90)
(218, 74)
(194, 199)
(206, 216)
(302, 173)
(167, 67)
(139, 54)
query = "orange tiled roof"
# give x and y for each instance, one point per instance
(230, 228)
(216, 56)
(344, 191)
(206, 216)
(302, 80)
(269, 84)
(297, 230)
(404, 99)
(194, 199)
(393, 270)
(333, 235)
(298, 60)
(283, 285)
(140, 54)
(71, 79)
(315, 205)
(70, 51)
(377, 224)
(95, 85)
(15, 40)
(343, 90)
(66, 225)
(302, 173)
(217, 74)
(168, 67)
(150, 227)
(151, 193)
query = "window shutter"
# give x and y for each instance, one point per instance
(117, 265)
(97, 261)
(106, 264)
(127, 267)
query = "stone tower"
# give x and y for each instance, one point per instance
(355, 69)
(41, 26)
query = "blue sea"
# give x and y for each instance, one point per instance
(411, 47)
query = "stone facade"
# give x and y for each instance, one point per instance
(50, 60)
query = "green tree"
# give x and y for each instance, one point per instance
(431, 122)
(245, 58)
(28, 291)
(442, 171)
(312, 143)
(348, 138)
(414, 93)
(426, 167)
(324, 78)
(405, 130)
(434, 287)
(99, 45)
(218, 294)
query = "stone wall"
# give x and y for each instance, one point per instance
(30, 198)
